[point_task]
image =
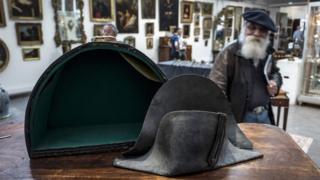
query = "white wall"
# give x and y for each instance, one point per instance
(21, 76)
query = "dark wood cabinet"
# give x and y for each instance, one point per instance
(164, 49)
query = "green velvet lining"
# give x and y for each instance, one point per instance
(94, 98)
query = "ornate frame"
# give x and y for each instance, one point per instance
(2, 15)
(25, 58)
(57, 37)
(25, 17)
(22, 42)
(190, 14)
(112, 8)
(6, 60)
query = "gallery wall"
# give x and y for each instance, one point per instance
(20, 76)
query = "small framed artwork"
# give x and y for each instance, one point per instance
(196, 19)
(4, 56)
(207, 23)
(196, 39)
(186, 31)
(2, 15)
(101, 10)
(149, 43)
(206, 43)
(148, 8)
(186, 12)
(29, 34)
(127, 18)
(206, 34)
(25, 10)
(197, 7)
(149, 29)
(130, 40)
(207, 9)
(97, 29)
(31, 54)
(196, 31)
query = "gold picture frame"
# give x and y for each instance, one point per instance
(149, 43)
(2, 15)
(207, 23)
(101, 10)
(207, 9)
(186, 12)
(149, 29)
(31, 54)
(29, 34)
(97, 29)
(4, 56)
(25, 11)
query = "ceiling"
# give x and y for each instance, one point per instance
(274, 3)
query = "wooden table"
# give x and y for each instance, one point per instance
(283, 159)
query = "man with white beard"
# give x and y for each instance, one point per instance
(246, 72)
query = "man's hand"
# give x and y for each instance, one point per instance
(272, 88)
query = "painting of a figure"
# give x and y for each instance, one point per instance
(25, 9)
(187, 12)
(127, 16)
(148, 9)
(101, 10)
(168, 10)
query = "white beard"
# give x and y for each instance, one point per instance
(253, 47)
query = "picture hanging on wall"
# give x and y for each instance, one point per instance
(196, 39)
(168, 13)
(97, 29)
(186, 31)
(101, 10)
(20, 10)
(149, 29)
(207, 23)
(29, 34)
(149, 43)
(130, 40)
(186, 12)
(207, 9)
(206, 34)
(148, 9)
(2, 15)
(172, 28)
(4, 56)
(68, 4)
(31, 54)
(196, 31)
(127, 16)
(197, 7)
(196, 19)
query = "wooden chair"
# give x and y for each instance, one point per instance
(281, 101)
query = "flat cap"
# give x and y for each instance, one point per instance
(260, 17)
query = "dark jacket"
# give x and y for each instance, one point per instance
(233, 74)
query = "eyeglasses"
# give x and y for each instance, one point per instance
(252, 28)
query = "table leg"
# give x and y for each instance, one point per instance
(285, 118)
(278, 115)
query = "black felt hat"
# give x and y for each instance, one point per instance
(260, 17)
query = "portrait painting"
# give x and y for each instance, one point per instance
(207, 9)
(4, 55)
(101, 10)
(148, 9)
(186, 31)
(130, 40)
(31, 54)
(149, 29)
(2, 15)
(186, 12)
(197, 7)
(149, 43)
(196, 31)
(25, 9)
(127, 16)
(29, 34)
(207, 23)
(97, 29)
(168, 13)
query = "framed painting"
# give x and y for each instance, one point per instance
(2, 15)
(4, 56)
(29, 34)
(20, 10)
(149, 43)
(168, 14)
(97, 29)
(127, 16)
(31, 54)
(206, 34)
(186, 31)
(149, 29)
(196, 19)
(197, 7)
(196, 39)
(101, 10)
(186, 12)
(207, 23)
(207, 9)
(130, 40)
(148, 8)
(196, 31)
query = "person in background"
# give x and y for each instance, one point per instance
(246, 72)
(109, 33)
(178, 47)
